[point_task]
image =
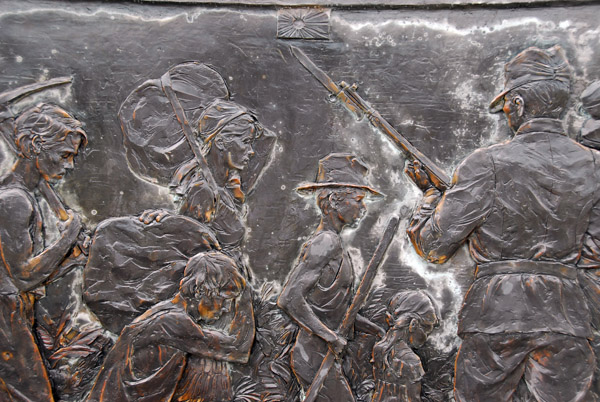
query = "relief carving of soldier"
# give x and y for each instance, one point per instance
(319, 288)
(589, 279)
(47, 139)
(148, 361)
(526, 208)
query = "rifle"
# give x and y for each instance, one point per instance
(167, 87)
(357, 302)
(360, 108)
(46, 189)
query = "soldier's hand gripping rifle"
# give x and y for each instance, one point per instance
(352, 101)
(6, 130)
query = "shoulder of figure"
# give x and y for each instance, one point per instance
(326, 241)
(482, 154)
(477, 163)
(322, 246)
(15, 199)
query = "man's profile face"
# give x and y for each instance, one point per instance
(513, 107)
(352, 208)
(54, 159)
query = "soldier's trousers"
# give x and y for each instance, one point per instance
(555, 367)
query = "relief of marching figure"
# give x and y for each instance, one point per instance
(184, 132)
(46, 140)
(319, 293)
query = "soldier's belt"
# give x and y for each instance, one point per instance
(526, 267)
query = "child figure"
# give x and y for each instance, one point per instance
(397, 369)
(590, 102)
(148, 360)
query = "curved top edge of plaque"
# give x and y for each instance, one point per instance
(375, 4)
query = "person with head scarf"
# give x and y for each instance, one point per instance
(396, 368)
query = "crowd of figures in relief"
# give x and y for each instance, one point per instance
(163, 305)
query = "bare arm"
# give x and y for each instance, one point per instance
(179, 331)
(16, 245)
(317, 253)
(242, 329)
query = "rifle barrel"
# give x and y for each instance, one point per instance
(440, 178)
(356, 105)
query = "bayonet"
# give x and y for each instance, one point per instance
(349, 97)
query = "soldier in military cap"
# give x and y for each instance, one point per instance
(319, 289)
(524, 207)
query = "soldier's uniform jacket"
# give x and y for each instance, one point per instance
(528, 208)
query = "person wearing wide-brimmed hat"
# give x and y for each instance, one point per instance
(319, 288)
(524, 207)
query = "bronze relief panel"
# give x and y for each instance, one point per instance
(254, 201)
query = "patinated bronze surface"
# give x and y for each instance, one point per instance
(275, 201)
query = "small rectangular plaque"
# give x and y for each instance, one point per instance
(303, 23)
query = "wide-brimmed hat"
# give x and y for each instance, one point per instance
(531, 65)
(339, 170)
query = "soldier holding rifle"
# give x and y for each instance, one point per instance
(529, 209)
(319, 290)
(524, 207)
(47, 140)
